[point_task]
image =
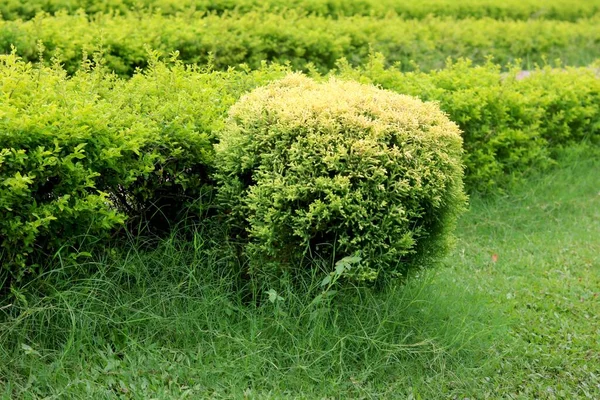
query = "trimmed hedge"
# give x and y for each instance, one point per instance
(567, 10)
(338, 168)
(304, 41)
(80, 156)
(508, 124)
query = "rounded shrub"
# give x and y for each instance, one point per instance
(337, 169)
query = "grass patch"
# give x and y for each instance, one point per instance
(512, 313)
(536, 254)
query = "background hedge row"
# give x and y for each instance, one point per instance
(567, 10)
(81, 155)
(300, 39)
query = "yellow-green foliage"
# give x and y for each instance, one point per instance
(337, 168)
(57, 138)
(508, 124)
(80, 155)
(299, 39)
(568, 10)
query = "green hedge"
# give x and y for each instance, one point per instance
(80, 156)
(568, 10)
(508, 124)
(338, 168)
(301, 40)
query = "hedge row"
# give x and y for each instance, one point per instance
(301, 40)
(510, 121)
(567, 10)
(81, 155)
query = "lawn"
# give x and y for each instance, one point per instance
(512, 313)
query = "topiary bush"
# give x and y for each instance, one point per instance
(339, 168)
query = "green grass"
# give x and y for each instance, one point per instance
(169, 323)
